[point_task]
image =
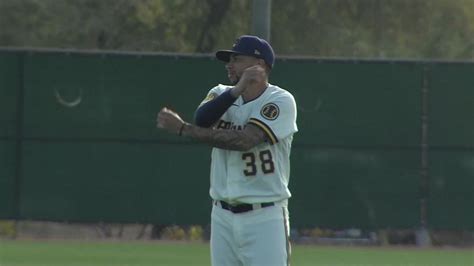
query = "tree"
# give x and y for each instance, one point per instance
(374, 28)
(324, 28)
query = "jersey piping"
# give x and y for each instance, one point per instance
(268, 131)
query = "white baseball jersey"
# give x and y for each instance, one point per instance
(262, 173)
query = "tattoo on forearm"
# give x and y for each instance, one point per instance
(226, 139)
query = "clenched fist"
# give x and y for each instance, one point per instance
(253, 78)
(169, 120)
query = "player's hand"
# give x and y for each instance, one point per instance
(169, 120)
(252, 77)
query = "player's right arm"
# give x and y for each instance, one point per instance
(219, 99)
(213, 107)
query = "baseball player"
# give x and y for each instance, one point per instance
(250, 124)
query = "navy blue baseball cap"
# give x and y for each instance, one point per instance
(251, 46)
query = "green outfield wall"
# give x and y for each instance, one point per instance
(377, 140)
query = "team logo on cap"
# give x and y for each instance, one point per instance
(270, 111)
(236, 42)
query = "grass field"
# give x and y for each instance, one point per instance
(69, 253)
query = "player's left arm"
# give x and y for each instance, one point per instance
(240, 140)
(276, 118)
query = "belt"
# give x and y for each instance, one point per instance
(240, 208)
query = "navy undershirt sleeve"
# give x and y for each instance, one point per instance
(207, 114)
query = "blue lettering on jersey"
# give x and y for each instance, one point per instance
(228, 125)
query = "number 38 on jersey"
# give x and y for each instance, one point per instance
(258, 161)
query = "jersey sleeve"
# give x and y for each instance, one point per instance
(213, 93)
(276, 117)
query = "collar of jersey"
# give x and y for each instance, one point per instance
(263, 92)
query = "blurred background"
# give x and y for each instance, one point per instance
(416, 29)
(385, 152)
